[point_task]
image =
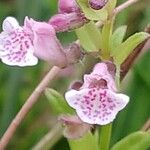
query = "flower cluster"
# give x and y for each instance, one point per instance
(96, 101)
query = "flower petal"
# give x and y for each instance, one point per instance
(9, 24)
(100, 69)
(67, 6)
(67, 21)
(101, 81)
(100, 77)
(96, 106)
(46, 44)
(16, 48)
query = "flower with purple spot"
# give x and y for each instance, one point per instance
(23, 45)
(16, 46)
(96, 101)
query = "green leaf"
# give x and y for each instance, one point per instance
(92, 14)
(90, 37)
(117, 37)
(88, 142)
(121, 52)
(57, 102)
(135, 141)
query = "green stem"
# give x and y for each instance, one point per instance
(105, 135)
(106, 34)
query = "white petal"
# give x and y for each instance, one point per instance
(96, 106)
(16, 49)
(9, 24)
(26, 60)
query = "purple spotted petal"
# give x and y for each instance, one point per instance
(16, 47)
(96, 106)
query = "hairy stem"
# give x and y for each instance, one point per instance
(124, 6)
(27, 106)
(146, 126)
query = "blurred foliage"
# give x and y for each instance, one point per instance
(16, 84)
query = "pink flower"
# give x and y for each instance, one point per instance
(69, 17)
(16, 46)
(96, 101)
(46, 44)
(23, 45)
(67, 21)
(67, 6)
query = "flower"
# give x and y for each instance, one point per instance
(69, 16)
(67, 21)
(96, 101)
(74, 127)
(67, 6)
(23, 45)
(16, 46)
(47, 46)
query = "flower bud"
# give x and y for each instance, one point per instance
(97, 4)
(73, 53)
(64, 22)
(74, 127)
(67, 6)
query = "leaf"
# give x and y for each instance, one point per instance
(117, 37)
(90, 37)
(135, 141)
(121, 52)
(57, 102)
(88, 142)
(90, 13)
